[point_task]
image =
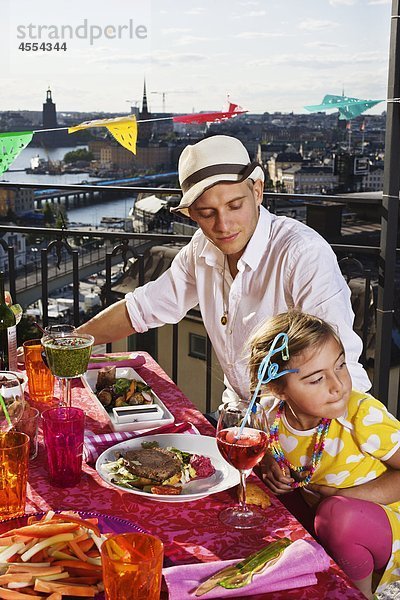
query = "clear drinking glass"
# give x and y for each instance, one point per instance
(12, 402)
(243, 450)
(67, 355)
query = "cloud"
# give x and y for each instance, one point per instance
(373, 2)
(342, 2)
(195, 11)
(163, 59)
(252, 14)
(172, 30)
(313, 61)
(323, 45)
(249, 3)
(186, 40)
(248, 35)
(317, 25)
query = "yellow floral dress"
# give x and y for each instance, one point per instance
(356, 448)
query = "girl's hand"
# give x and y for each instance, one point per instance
(273, 477)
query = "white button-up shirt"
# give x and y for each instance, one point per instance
(285, 265)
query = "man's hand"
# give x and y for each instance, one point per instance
(273, 477)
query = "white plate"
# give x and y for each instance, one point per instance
(225, 475)
(89, 380)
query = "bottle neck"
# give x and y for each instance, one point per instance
(2, 293)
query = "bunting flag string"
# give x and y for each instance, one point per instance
(11, 144)
(348, 107)
(123, 129)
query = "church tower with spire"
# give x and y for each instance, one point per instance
(145, 130)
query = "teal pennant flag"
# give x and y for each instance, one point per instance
(12, 144)
(348, 107)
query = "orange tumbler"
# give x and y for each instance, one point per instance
(40, 378)
(132, 566)
(14, 455)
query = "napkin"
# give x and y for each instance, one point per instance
(295, 568)
(95, 444)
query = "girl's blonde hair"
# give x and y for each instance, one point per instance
(304, 332)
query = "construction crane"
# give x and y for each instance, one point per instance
(163, 94)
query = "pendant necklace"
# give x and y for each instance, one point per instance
(224, 318)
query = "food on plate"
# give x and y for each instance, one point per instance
(51, 557)
(255, 495)
(161, 471)
(115, 391)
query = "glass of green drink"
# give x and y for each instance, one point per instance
(67, 356)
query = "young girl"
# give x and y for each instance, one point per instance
(344, 444)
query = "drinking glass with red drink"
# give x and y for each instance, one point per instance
(243, 448)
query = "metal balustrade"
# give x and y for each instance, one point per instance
(61, 262)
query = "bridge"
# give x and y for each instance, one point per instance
(73, 195)
(28, 283)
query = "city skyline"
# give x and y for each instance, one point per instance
(268, 56)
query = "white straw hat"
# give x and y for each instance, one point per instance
(217, 159)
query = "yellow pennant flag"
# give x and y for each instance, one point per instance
(123, 129)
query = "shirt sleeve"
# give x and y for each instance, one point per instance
(168, 298)
(318, 287)
(376, 431)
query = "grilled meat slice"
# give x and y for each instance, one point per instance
(156, 464)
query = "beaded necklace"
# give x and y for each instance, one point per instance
(277, 452)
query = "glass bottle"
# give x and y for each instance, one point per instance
(8, 334)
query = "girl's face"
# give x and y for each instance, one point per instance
(322, 386)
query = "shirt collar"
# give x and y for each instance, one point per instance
(252, 255)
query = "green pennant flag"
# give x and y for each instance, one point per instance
(11, 144)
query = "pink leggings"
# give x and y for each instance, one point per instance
(356, 533)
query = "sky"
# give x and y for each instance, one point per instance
(268, 55)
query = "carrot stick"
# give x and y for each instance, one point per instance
(82, 591)
(77, 564)
(7, 541)
(55, 596)
(87, 580)
(86, 545)
(78, 551)
(34, 571)
(86, 523)
(14, 595)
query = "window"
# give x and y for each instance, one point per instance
(197, 346)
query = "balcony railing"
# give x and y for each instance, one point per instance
(62, 263)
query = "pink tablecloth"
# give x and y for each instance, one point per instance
(190, 531)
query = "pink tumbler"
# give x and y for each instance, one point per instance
(63, 430)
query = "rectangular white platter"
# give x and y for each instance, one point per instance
(89, 380)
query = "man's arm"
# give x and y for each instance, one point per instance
(111, 324)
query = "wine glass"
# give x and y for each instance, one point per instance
(55, 331)
(12, 402)
(67, 355)
(243, 449)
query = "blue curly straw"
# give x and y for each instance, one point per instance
(272, 373)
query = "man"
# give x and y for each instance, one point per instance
(242, 266)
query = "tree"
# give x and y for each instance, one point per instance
(48, 214)
(81, 154)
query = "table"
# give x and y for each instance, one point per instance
(190, 531)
